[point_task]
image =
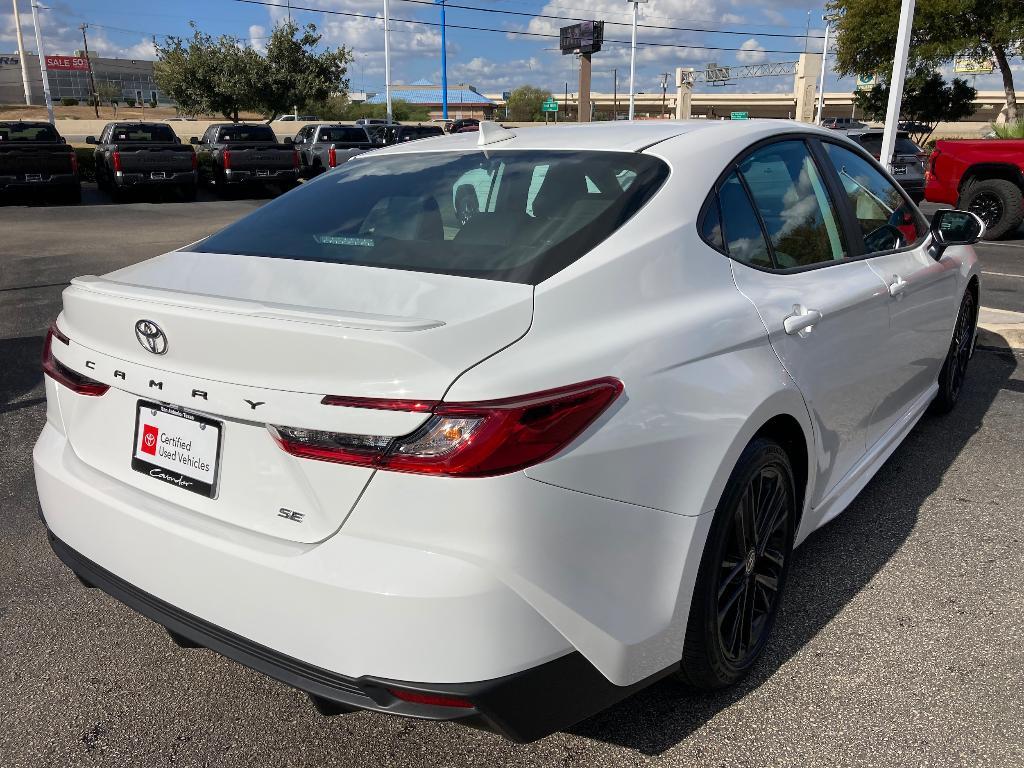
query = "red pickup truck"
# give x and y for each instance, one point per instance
(984, 176)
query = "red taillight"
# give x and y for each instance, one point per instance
(332, 157)
(431, 699)
(295, 158)
(115, 158)
(463, 439)
(60, 373)
(930, 167)
(226, 157)
(195, 161)
(74, 164)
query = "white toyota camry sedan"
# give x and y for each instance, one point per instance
(502, 427)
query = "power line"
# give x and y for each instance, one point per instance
(609, 23)
(521, 33)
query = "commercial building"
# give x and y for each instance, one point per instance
(68, 77)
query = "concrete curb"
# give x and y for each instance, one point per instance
(1000, 328)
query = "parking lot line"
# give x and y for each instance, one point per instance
(1002, 274)
(1004, 245)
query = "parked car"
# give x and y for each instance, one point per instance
(985, 176)
(130, 155)
(375, 121)
(907, 159)
(510, 468)
(842, 123)
(35, 157)
(328, 145)
(399, 134)
(297, 118)
(455, 126)
(242, 153)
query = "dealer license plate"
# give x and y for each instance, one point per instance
(177, 447)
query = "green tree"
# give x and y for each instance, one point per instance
(524, 103)
(297, 76)
(206, 75)
(109, 92)
(927, 101)
(943, 30)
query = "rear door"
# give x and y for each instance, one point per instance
(823, 311)
(923, 292)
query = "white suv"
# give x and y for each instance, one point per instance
(502, 427)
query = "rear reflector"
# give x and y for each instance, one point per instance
(482, 439)
(430, 699)
(60, 373)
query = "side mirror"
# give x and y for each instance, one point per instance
(194, 140)
(952, 227)
(288, 141)
(90, 139)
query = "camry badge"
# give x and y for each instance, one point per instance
(151, 337)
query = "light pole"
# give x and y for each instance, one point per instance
(664, 88)
(632, 60)
(42, 61)
(821, 79)
(387, 58)
(899, 75)
(444, 65)
(21, 55)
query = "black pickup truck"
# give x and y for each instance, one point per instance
(33, 156)
(135, 154)
(241, 153)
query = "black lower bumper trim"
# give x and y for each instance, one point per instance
(524, 706)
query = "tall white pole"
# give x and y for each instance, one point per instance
(899, 76)
(21, 55)
(387, 57)
(632, 64)
(821, 79)
(42, 61)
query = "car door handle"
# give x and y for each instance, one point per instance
(802, 319)
(897, 286)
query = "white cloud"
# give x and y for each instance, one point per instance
(258, 37)
(751, 52)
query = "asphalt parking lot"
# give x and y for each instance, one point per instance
(899, 642)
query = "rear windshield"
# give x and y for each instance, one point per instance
(28, 132)
(143, 132)
(516, 215)
(247, 133)
(349, 135)
(872, 142)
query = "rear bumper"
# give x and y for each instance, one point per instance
(233, 176)
(55, 180)
(132, 179)
(524, 706)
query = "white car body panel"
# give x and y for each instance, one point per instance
(594, 550)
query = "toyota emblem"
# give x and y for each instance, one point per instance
(151, 337)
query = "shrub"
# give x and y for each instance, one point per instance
(152, 103)
(1014, 130)
(69, 102)
(130, 102)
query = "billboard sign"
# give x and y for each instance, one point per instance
(973, 66)
(67, 62)
(12, 61)
(866, 82)
(585, 37)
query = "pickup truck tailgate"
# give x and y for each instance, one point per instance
(148, 158)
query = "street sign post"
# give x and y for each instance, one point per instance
(866, 82)
(549, 105)
(739, 115)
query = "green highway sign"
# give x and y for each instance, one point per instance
(740, 115)
(549, 105)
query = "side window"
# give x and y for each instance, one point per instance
(711, 226)
(789, 193)
(887, 221)
(744, 240)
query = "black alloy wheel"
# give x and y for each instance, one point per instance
(988, 207)
(961, 347)
(743, 569)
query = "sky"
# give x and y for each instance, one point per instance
(688, 33)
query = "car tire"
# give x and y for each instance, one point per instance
(961, 347)
(998, 202)
(741, 575)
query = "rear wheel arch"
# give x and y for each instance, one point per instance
(785, 430)
(988, 171)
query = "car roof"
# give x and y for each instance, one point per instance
(622, 136)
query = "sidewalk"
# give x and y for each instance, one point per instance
(1000, 328)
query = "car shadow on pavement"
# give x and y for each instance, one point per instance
(20, 371)
(829, 569)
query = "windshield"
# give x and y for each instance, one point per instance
(515, 215)
(28, 132)
(143, 132)
(247, 133)
(872, 142)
